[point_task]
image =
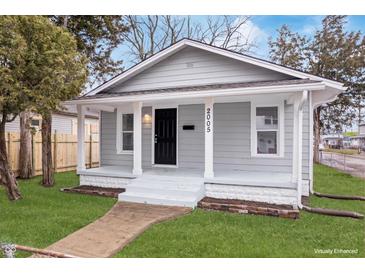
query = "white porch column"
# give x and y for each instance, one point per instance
(137, 138)
(80, 138)
(208, 112)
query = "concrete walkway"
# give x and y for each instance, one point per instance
(121, 225)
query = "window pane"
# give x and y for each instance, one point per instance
(267, 118)
(127, 122)
(266, 142)
(127, 141)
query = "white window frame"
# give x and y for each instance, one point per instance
(119, 128)
(280, 130)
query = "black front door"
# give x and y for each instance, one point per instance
(165, 136)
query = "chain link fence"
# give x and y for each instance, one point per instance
(352, 164)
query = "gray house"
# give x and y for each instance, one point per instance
(195, 120)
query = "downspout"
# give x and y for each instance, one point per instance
(303, 98)
(311, 142)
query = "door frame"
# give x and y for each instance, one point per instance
(163, 106)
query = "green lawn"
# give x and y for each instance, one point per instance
(343, 151)
(46, 215)
(218, 234)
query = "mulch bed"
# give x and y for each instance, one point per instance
(93, 190)
(249, 207)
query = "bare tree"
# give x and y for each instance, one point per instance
(150, 34)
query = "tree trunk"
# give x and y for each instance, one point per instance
(317, 133)
(7, 177)
(47, 167)
(25, 154)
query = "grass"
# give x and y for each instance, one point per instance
(46, 215)
(343, 151)
(218, 234)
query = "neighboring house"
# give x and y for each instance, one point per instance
(333, 141)
(195, 120)
(63, 122)
(359, 140)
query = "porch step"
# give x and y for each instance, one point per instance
(159, 199)
(168, 190)
(164, 191)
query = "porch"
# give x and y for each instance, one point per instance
(175, 151)
(243, 178)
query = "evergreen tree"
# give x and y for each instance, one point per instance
(39, 68)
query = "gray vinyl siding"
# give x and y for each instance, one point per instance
(146, 138)
(62, 124)
(191, 142)
(192, 66)
(232, 146)
(13, 126)
(108, 140)
(306, 143)
(109, 155)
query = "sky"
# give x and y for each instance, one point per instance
(263, 27)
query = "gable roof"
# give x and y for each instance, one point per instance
(165, 53)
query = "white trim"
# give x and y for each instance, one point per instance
(186, 42)
(164, 166)
(162, 106)
(137, 138)
(99, 133)
(119, 137)
(100, 108)
(80, 138)
(200, 94)
(279, 103)
(208, 136)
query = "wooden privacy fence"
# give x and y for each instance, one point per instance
(64, 151)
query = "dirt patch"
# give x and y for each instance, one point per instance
(93, 190)
(249, 207)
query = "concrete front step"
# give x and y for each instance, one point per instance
(159, 199)
(164, 190)
(169, 180)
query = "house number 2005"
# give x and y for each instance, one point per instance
(208, 122)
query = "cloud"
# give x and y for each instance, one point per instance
(248, 33)
(314, 24)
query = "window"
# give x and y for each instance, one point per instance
(127, 132)
(267, 130)
(35, 123)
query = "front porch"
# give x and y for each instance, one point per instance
(244, 178)
(237, 144)
(186, 187)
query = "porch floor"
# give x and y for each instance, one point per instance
(249, 178)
